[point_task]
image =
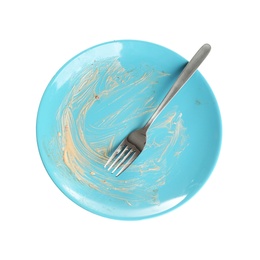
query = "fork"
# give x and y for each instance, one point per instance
(131, 147)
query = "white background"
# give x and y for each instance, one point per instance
(38, 222)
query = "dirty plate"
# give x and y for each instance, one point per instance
(100, 96)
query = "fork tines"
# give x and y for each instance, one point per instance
(123, 156)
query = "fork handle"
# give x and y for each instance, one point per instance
(186, 73)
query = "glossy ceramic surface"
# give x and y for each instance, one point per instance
(104, 93)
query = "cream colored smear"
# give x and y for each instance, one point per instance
(83, 156)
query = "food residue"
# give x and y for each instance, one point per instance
(88, 131)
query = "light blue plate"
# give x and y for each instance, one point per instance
(100, 96)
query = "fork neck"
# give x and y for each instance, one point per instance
(145, 128)
(148, 124)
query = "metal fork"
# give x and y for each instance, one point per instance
(131, 147)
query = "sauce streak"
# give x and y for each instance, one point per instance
(82, 151)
